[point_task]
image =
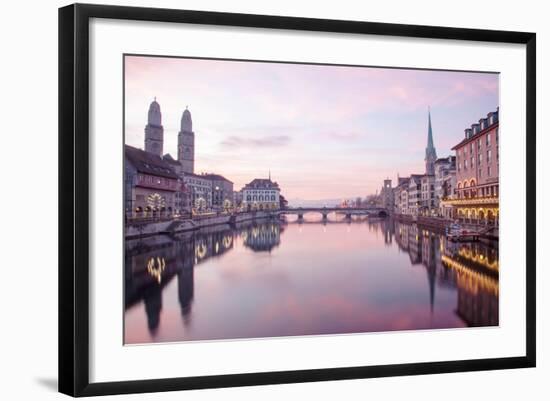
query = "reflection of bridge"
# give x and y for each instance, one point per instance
(348, 212)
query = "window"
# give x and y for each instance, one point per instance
(480, 158)
(465, 164)
(488, 139)
(496, 136)
(489, 156)
(471, 147)
(479, 143)
(479, 173)
(472, 161)
(488, 171)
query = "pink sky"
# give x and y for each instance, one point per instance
(325, 132)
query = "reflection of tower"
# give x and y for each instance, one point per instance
(154, 132)
(387, 226)
(186, 286)
(153, 306)
(186, 143)
(428, 258)
(431, 156)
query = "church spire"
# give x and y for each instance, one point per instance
(431, 155)
(430, 134)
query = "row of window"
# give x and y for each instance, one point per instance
(204, 183)
(479, 142)
(157, 180)
(261, 192)
(479, 160)
(260, 198)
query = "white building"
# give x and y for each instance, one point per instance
(428, 205)
(445, 182)
(261, 194)
(414, 194)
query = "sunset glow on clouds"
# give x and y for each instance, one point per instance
(324, 131)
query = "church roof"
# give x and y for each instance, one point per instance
(149, 163)
(261, 183)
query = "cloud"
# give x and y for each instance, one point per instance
(235, 141)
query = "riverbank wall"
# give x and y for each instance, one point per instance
(438, 224)
(146, 229)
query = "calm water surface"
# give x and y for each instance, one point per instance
(265, 279)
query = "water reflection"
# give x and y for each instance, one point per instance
(322, 279)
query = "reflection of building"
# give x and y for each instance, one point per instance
(151, 264)
(477, 272)
(470, 268)
(150, 184)
(477, 176)
(261, 194)
(262, 237)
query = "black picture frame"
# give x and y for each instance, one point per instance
(74, 198)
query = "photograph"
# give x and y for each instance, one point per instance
(273, 199)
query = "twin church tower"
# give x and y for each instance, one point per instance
(154, 137)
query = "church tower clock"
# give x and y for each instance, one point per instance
(186, 143)
(154, 132)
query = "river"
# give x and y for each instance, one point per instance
(272, 278)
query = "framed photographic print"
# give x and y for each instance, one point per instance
(250, 199)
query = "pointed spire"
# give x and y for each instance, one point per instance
(431, 154)
(430, 134)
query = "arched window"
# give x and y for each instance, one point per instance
(273, 197)
(261, 198)
(248, 198)
(254, 198)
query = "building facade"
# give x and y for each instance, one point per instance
(200, 189)
(445, 183)
(414, 193)
(428, 206)
(261, 194)
(222, 192)
(476, 195)
(401, 196)
(150, 184)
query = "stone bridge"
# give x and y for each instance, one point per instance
(348, 212)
